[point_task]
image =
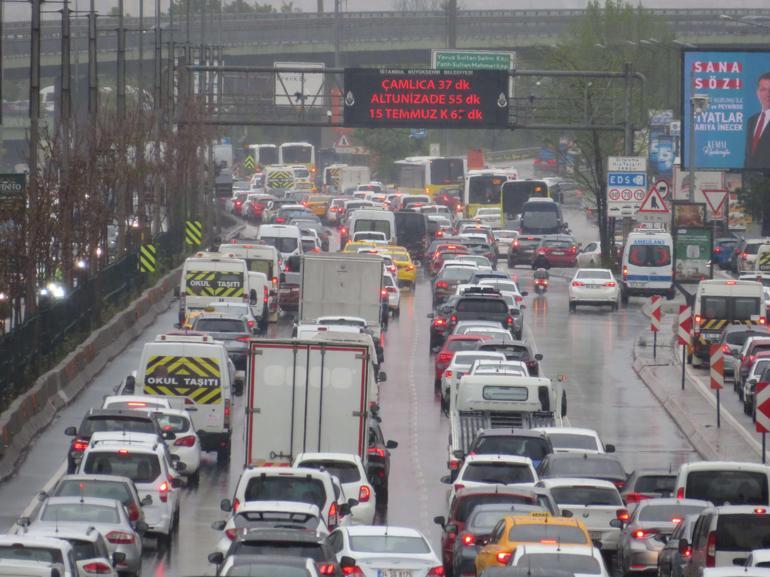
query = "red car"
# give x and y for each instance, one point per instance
(453, 344)
(556, 250)
(446, 253)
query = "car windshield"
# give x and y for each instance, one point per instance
(87, 488)
(668, 513)
(220, 325)
(586, 496)
(501, 285)
(403, 545)
(173, 423)
(583, 465)
(743, 532)
(278, 488)
(99, 424)
(484, 306)
(583, 564)
(254, 519)
(664, 484)
(312, 551)
(30, 553)
(455, 345)
(728, 487)
(557, 244)
(547, 533)
(261, 569)
(458, 273)
(572, 441)
(533, 447)
(79, 513)
(499, 473)
(344, 471)
(467, 503)
(281, 243)
(139, 467)
(84, 549)
(484, 521)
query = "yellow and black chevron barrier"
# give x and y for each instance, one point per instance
(148, 262)
(248, 162)
(213, 284)
(193, 232)
(763, 262)
(197, 378)
(280, 179)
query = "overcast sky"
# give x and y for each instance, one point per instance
(20, 11)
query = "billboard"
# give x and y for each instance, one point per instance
(692, 254)
(426, 98)
(728, 133)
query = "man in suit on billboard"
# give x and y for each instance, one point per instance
(758, 132)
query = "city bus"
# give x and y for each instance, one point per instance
(263, 155)
(297, 153)
(429, 174)
(483, 189)
(516, 192)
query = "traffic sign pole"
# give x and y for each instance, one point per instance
(683, 334)
(717, 371)
(655, 311)
(762, 411)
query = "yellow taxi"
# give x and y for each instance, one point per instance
(407, 272)
(318, 204)
(357, 245)
(542, 528)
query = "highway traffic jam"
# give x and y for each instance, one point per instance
(263, 402)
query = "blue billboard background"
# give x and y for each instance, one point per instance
(729, 79)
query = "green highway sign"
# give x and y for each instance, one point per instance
(472, 60)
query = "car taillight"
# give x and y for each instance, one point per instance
(280, 219)
(376, 452)
(439, 322)
(718, 249)
(352, 571)
(364, 493)
(326, 568)
(251, 324)
(333, 514)
(410, 267)
(610, 284)
(186, 441)
(79, 445)
(227, 412)
(448, 373)
(619, 484)
(711, 549)
(133, 511)
(515, 243)
(265, 294)
(744, 256)
(503, 557)
(163, 489)
(343, 230)
(453, 319)
(97, 568)
(275, 281)
(120, 537)
(698, 320)
(231, 533)
(725, 349)
(454, 464)
(577, 283)
(444, 357)
(459, 486)
(468, 539)
(622, 515)
(437, 571)
(573, 249)
(680, 493)
(762, 320)
(635, 497)
(687, 552)
(236, 504)
(642, 534)
(442, 284)
(392, 289)
(625, 272)
(760, 511)
(509, 320)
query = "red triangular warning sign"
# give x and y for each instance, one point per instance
(715, 199)
(653, 203)
(342, 142)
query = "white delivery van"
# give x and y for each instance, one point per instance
(286, 238)
(209, 277)
(724, 482)
(762, 264)
(262, 258)
(648, 267)
(373, 220)
(195, 367)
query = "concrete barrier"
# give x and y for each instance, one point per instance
(32, 412)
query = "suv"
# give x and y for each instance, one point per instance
(146, 462)
(522, 249)
(482, 305)
(725, 536)
(101, 420)
(745, 254)
(522, 442)
(557, 250)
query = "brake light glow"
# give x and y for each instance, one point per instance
(98, 568)
(718, 249)
(136, 404)
(619, 484)
(442, 284)
(79, 445)
(186, 441)
(468, 539)
(410, 267)
(122, 451)
(454, 464)
(610, 284)
(577, 283)
(635, 497)
(680, 493)
(376, 452)
(625, 272)
(439, 322)
(641, 534)
(448, 373)
(509, 320)
(280, 219)
(437, 571)
(503, 557)
(326, 569)
(444, 357)
(333, 514)
(236, 504)
(352, 571)
(676, 520)
(120, 537)
(265, 293)
(453, 319)
(760, 511)
(622, 515)
(364, 493)
(133, 511)
(163, 489)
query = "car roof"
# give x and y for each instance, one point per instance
(341, 457)
(496, 489)
(576, 482)
(64, 532)
(81, 501)
(126, 413)
(279, 534)
(33, 541)
(282, 506)
(526, 572)
(95, 477)
(362, 530)
(511, 433)
(728, 465)
(280, 560)
(568, 430)
(489, 458)
(284, 472)
(672, 501)
(543, 548)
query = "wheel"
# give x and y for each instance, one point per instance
(223, 455)
(615, 306)
(195, 478)
(397, 312)
(572, 307)
(623, 297)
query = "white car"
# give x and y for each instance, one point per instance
(575, 440)
(377, 551)
(481, 262)
(265, 514)
(590, 256)
(92, 554)
(186, 445)
(597, 503)
(487, 367)
(581, 561)
(136, 402)
(478, 470)
(503, 240)
(759, 558)
(390, 285)
(461, 365)
(593, 286)
(14, 548)
(350, 471)
(505, 286)
(489, 216)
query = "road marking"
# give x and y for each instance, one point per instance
(422, 491)
(31, 508)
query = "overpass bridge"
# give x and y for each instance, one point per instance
(368, 38)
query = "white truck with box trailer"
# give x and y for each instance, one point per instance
(500, 401)
(309, 395)
(342, 285)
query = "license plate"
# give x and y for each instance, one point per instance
(593, 286)
(394, 573)
(558, 253)
(636, 283)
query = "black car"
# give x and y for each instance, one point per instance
(446, 282)
(521, 442)
(283, 544)
(649, 484)
(439, 326)
(412, 233)
(481, 305)
(583, 466)
(522, 249)
(378, 465)
(105, 420)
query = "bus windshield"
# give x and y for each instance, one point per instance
(410, 176)
(484, 189)
(297, 154)
(446, 171)
(267, 155)
(517, 192)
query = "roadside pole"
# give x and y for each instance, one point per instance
(717, 371)
(655, 313)
(683, 334)
(762, 410)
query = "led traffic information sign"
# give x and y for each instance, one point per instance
(426, 98)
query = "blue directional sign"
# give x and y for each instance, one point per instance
(635, 179)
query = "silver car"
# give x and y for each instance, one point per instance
(92, 555)
(106, 515)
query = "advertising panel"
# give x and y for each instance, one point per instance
(692, 254)
(731, 130)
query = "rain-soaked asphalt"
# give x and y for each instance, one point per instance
(591, 347)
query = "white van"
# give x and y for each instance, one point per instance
(195, 367)
(262, 258)
(724, 482)
(648, 267)
(762, 264)
(373, 220)
(286, 238)
(209, 277)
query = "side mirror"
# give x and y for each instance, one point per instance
(130, 385)
(391, 444)
(71, 431)
(225, 505)
(524, 293)
(617, 523)
(179, 466)
(430, 315)
(684, 546)
(146, 501)
(118, 557)
(458, 454)
(522, 306)
(218, 525)
(446, 480)
(344, 509)
(216, 558)
(567, 513)
(42, 496)
(282, 278)
(23, 522)
(352, 502)
(345, 561)
(174, 458)
(177, 482)
(439, 520)
(141, 527)
(539, 357)
(169, 436)
(382, 377)
(610, 448)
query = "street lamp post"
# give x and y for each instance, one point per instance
(698, 105)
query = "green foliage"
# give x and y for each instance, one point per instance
(386, 146)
